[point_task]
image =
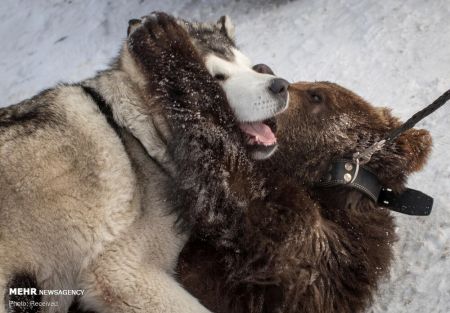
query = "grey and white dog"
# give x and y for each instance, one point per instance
(85, 176)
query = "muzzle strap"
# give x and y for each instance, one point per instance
(346, 173)
(410, 201)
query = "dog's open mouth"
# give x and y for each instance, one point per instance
(260, 137)
(260, 133)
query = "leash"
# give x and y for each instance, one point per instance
(365, 156)
(353, 173)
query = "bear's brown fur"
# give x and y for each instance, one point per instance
(285, 246)
(303, 248)
(264, 238)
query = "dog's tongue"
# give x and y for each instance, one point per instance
(259, 132)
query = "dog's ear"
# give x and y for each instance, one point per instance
(226, 26)
(132, 24)
(415, 145)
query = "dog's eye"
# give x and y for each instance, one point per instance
(220, 77)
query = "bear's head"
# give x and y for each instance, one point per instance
(326, 121)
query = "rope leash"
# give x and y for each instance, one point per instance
(365, 156)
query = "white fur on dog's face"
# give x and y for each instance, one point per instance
(247, 91)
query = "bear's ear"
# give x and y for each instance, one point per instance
(415, 146)
(132, 25)
(386, 117)
(226, 26)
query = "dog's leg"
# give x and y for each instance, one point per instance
(137, 290)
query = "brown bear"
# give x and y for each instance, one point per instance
(310, 248)
(264, 236)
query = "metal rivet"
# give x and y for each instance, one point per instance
(348, 166)
(347, 177)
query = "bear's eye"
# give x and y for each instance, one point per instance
(315, 97)
(220, 77)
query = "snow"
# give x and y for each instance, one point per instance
(393, 53)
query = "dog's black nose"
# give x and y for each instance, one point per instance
(279, 86)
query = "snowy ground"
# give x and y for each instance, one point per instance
(392, 53)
